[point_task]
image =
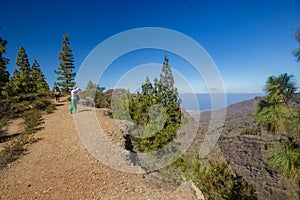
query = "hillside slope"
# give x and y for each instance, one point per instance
(247, 154)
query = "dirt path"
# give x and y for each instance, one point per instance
(59, 167)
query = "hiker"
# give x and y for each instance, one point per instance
(74, 99)
(57, 94)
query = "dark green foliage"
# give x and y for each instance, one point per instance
(282, 86)
(15, 147)
(24, 83)
(286, 160)
(273, 112)
(38, 78)
(25, 94)
(50, 108)
(4, 75)
(216, 180)
(276, 114)
(26, 80)
(33, 119)
(12, 107)
(156, 112)
(66, 76)
(293, 124)
(41, 103)
(11, 153)
(21, 81)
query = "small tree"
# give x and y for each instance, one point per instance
(156, 112)
(4, 75)
(273, 112)
(40, 84)
(66, 76)
(21, 81)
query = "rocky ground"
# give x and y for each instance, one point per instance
(247, 153)
(58, 166)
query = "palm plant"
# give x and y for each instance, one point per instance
(286, 159)
(273, 112)
(282, 86)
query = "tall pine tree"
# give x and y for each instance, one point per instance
(4, 75)
(66, 76)
(21, 82)
(38, 78)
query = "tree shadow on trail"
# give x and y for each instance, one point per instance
(4, 138)
(59, 104)
(85, 110)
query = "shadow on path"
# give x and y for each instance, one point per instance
(85, 110)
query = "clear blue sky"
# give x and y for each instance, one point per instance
(248, 40)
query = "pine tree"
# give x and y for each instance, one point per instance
(40, 84)
(156, 112)
(66, 76)
(24, 66)
(4, 75)
(21, 81)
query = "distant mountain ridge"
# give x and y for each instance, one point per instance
(202, 101)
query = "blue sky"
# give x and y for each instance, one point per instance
(247, 40)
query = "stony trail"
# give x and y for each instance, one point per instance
(58, 166)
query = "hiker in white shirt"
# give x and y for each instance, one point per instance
(74, 99)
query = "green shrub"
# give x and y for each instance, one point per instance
(10, 154)
(29, 107)
(216, 180)
(50, 108)
(33, 119)
(15, 149)
(41, 103)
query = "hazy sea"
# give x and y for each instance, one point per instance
(203, 101)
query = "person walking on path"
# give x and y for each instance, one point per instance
(57, 94)
(74, 99)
